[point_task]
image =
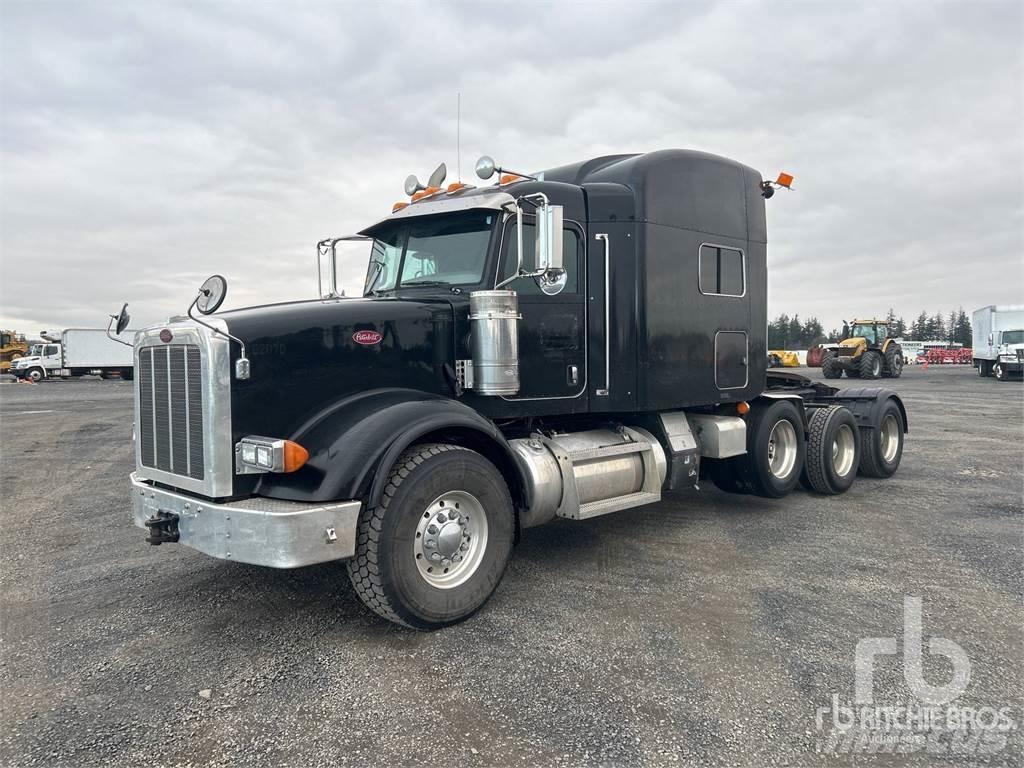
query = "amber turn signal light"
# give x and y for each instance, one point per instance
(785, 180)
(398, 206)
(295, 456)
(742, 408)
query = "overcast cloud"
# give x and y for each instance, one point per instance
(147, 145)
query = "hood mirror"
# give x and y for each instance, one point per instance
(117, 324)
(211, 295)
(122, 319)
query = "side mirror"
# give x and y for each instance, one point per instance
(552, 277)
(211, 295)
(121, 320)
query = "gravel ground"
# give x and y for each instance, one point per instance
(704, 629)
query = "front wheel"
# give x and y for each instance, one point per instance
(870, 365)
(35, 375)
(831, 368)
(433, 551)
(999, 372)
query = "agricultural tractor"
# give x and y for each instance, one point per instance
(867, 352)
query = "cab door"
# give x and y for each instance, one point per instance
(552, 331)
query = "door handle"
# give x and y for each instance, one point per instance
(572, 375)
(607, 315)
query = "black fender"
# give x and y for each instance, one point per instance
(866, 404)
(354, 443)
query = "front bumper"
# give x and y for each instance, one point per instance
(261, 531)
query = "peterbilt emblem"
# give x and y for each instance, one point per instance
(367, 338)
(166, 336)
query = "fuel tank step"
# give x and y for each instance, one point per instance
(615, 504)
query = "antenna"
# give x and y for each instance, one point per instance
(458, 134)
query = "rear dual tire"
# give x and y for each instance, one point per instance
(881, 448)
(434, 549)
(833, 451)
(775, 454)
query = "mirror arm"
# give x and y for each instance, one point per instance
(114, 338)
(242, 364)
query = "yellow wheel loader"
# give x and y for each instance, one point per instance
(866, 352)
(12, 346)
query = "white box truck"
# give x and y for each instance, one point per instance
(76, 352)
(998, 340)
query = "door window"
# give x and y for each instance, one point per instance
(51, 350)
(571, 252)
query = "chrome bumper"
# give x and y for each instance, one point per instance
(261, 531)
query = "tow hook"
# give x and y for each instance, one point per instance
(163, 528)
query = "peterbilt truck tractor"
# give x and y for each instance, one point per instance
(563, 344)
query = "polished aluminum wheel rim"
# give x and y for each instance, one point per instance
(782, 449)
(890, 437)
(451, 538)
(843, 450)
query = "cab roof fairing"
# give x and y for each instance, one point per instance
(486, 199)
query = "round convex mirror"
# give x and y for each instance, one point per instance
(123, 318)
(211, 294)
(553, 281)
(485, 167)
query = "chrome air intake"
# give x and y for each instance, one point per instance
(493, 319)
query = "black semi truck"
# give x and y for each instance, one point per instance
(569, 343)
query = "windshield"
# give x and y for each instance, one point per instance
(1013, 337)
(867, 330)
(448, 249)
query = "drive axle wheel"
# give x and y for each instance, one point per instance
(433, 551)
(775, 453)
(881, 448)
(833, 450)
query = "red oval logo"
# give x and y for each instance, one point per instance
(367, 338)
(166, 336)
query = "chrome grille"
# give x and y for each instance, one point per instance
(170, 382)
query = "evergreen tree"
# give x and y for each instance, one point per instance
(951, 327)
(812, 332)
(795, 333)
(938, 327)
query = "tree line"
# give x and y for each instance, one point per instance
(785, 332)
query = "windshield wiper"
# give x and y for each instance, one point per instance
(423, 282)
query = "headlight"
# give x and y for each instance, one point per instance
(268, 454)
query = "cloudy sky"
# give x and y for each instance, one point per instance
(147, 145)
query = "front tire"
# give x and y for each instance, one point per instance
(831, 368)
(35, 375)
(999, 372)
(870, 365)
(434, 549)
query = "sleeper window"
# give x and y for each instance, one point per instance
(721, 271)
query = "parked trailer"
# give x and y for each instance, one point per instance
(564, 346)
(998, 336)
(80, 352)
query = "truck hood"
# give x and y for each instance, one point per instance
(23, 361)
(307, 355)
